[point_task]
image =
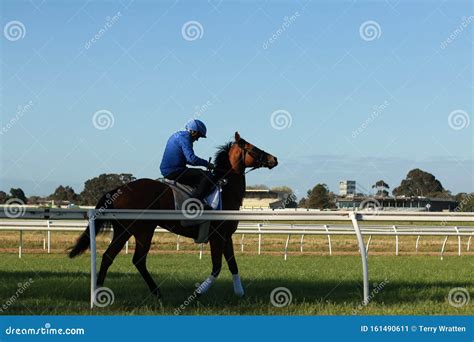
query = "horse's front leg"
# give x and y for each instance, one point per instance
(232, 263)
(217, 248)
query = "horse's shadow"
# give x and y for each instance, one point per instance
(130, 292)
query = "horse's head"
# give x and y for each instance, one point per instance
(243, 155)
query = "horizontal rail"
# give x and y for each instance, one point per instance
(264, 215)
(264, 230)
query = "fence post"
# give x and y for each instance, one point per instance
(363, 254)
(126, 247)
(242, 243)
(91, 215)
(286, 246)
(396, 239)
(444, 245)
(459, 240)
(301, 243)
(177, 243)
(469, 243)
(20, 247)
(329, 239)
(368, 244)
(417, 242)
(201, 251)
(49, 237)
(259, 238)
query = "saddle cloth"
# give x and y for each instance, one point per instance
(182, 192)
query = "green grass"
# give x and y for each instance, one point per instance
(320, 285)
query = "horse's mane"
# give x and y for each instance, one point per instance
(221, 159)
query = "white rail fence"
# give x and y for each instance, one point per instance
(269, 219)
(262, 229)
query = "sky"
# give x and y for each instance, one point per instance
(360, 90)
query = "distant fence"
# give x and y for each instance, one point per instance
(262, 229)
(292, 225)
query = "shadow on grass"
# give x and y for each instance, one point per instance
(52, 292)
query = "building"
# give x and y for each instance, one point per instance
(347, 188)
(400, 203)
(263, 199)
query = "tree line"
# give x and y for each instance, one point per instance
(94, 189)
(416, 183)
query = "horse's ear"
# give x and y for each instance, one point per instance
(237, 137)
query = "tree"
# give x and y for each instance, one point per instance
(319, 198)
(382, 188)
(465, 202)
(303, 203)
(3, 197)
(63, 193)
(258, 187)
(18, 194)
(34, 199)
(420, 183)
(96, 187)
(290, 197)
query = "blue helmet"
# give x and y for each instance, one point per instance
(198, 126)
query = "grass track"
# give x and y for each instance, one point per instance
(320, 285)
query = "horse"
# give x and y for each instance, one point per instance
(231, 161)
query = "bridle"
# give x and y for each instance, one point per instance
(259, 155)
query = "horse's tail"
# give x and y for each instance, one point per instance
(83, 242)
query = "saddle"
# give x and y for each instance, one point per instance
(184, 201)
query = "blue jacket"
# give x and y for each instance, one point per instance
(179, 152)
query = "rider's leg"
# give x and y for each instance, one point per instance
(197, 178)
(204, 187)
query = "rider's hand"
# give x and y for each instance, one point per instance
(211, 166)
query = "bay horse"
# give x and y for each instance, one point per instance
(231, 162)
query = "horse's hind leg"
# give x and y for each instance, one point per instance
(121, 236)
(143, 238)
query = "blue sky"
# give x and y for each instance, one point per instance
(361, 107)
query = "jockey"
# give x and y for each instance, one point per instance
(179, 153)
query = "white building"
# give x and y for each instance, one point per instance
(347, 187)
